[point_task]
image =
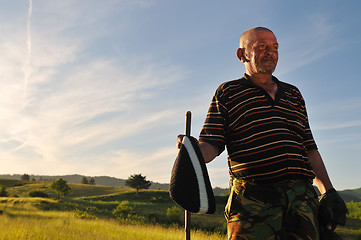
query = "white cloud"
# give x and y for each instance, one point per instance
(75, 102)
(307, 43)
(338, 125)
(336, 114)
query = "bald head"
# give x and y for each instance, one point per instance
(258, 50)
(246, 37)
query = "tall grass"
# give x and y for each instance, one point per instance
(63, 226)
(21, 218)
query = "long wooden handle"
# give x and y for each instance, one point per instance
(187, 214)
(188, 123)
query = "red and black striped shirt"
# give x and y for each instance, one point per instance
(266, 139)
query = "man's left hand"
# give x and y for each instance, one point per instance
(332, 212)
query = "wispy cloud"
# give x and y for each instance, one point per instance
(27, 65)
(336, 114)
(74, 104)
(337, 125)
(307, 44)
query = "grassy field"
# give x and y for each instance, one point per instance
(36, 225)
(89, 214)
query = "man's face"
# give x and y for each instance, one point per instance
(262, 52)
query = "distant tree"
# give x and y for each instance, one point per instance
(84, 180)
(92, 181)
(138, 182)
(25, 177)
(3, 192)
(61, 187)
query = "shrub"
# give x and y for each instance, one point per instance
(156, 199)
(354, 209)
(124, 210)
(3, 192)
(153, 217)
(174, 214)
(38, 193)
(83, 215)
(135, 219)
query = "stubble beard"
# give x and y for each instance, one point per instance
(265, 68)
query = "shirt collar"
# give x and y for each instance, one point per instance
(281, 85)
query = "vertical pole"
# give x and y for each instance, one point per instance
(187, 223)
(187, 214)
(188, 123)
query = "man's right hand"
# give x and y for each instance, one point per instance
(179, 141)
(209, 151)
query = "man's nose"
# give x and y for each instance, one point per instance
(269, 51)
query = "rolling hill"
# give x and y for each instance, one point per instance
(347, 195)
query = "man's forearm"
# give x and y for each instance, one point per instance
(322, 179)
(209, 151)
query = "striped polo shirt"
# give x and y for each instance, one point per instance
(267, 140)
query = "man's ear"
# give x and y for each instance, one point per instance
(241, 55)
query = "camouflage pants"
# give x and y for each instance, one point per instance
(283, 211)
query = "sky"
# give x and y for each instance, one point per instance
(101, 88)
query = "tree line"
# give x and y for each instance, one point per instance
(61, 187)
(84, 180)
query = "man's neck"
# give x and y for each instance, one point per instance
(266, 82)
(261, 79)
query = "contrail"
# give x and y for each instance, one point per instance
(27, 67)
(27, 70)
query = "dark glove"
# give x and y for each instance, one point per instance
(332, 210)
(329, 235)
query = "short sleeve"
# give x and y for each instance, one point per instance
(214, 128)
(308, 140)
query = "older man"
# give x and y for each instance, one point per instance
(272, 156)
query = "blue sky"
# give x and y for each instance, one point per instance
(102, 87)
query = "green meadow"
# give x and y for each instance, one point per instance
(89, 213)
